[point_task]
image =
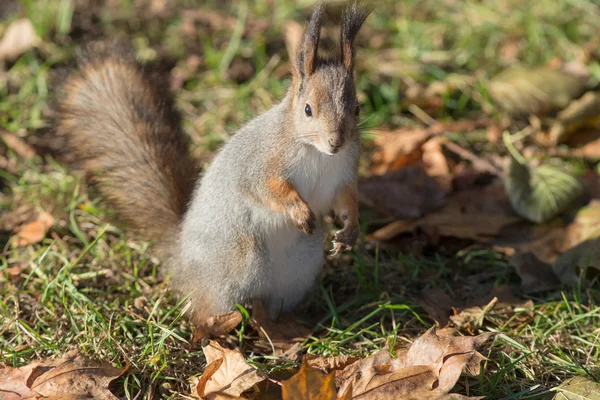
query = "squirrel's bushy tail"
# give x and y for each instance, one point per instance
(121, 128)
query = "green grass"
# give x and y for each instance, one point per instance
(90, 286)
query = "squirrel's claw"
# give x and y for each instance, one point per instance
(338, 248)
(344, 239)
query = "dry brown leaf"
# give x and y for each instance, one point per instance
(536, 275)
(35, 231)
(406, 193)
(499, 306)
(397, 149)
(217, 325)
(409, 146)
(437, 304)
(209, 371)
(428, 370)
(436, 164)
(71, 377)
(477, 214)
(329, 364)
(565, 246)
(579, 113)
(310, 384)
(19, 37)
(232, 377)
(283, 334)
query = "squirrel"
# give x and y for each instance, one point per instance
(249, 228)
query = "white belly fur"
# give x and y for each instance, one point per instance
(296, 257)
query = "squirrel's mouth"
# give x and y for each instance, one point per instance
(329, 150)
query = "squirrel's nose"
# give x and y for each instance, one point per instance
(335, 143)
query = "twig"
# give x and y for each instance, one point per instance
(477, 161)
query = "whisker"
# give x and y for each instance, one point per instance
(365, 120)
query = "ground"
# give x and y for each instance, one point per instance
(91, 286)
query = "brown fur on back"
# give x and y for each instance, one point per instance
(120, 126)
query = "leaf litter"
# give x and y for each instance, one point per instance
(71, 376)
(429, 369)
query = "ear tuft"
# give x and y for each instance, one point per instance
(306, 58)
(353, 18)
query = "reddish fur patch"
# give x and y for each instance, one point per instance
(348, 57)
(346, 202)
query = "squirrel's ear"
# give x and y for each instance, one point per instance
(352, 19)
(306, 57)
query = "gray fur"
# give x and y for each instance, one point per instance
(241, 238)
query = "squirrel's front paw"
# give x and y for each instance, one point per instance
(304, 219)
(345, 238)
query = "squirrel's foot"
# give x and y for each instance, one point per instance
(345, 238)
(304, 219)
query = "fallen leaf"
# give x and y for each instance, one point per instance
(410, 146)
(282, 334)
(208, 373)
(294, 353)
(329, 364)
(496, 306)
(476, 214)
(585, 143)
(500, 308)
(35, 231)
(310, 384)
(584, 256)
(217, 325)
(436, 164)
(428, 370)
(536, 275)
(397, 149)
(18, 38)
(231, 376)
(536, 91)
(579, 113)
(71, 376)
(538, 193)
(437, 304)
(578, 388)
(406, 193)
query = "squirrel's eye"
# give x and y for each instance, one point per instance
(357, 110)
(308, 111)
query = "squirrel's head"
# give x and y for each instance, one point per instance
(324, 100)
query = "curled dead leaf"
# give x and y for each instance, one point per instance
(231, 376)
(217, 325)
